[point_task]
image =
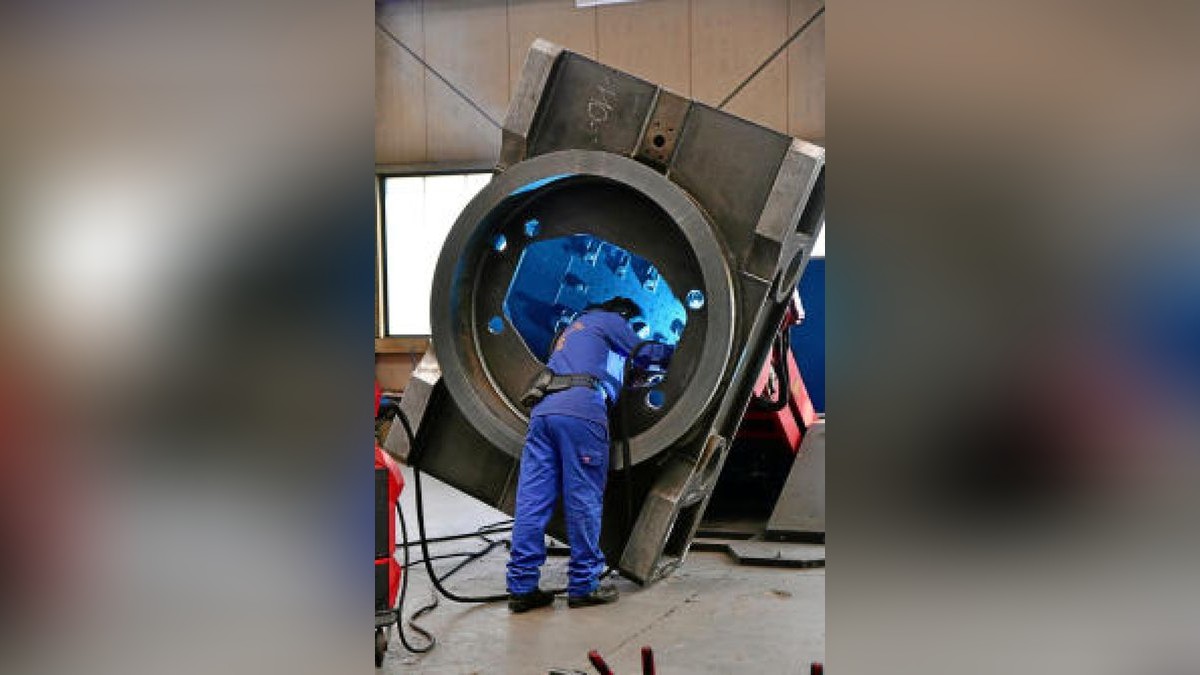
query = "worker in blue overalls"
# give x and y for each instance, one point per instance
(566, 453)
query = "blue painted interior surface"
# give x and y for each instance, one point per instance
(557, 278)
(530, 187)
(808, 339)
(495, 325)
(655, 398)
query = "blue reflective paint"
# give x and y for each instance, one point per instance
(495, 325)
(529, 187)
(499, 242)
(695, 299)
(808, 339)
(656, 398)
(557, 278)
(532, 227)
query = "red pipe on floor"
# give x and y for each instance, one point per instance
(647, 661)
(598, 663)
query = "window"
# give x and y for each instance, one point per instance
(418, 212)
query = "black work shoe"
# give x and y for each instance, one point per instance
(603, 595)
(527, 601)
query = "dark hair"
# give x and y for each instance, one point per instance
(620, 305)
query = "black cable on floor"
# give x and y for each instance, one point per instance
(434, 600)
(448, 556)
(425, 539)
(433, 577)
(470, 556)
(494, 528)
(432, 641)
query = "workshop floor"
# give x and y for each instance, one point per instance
(710, 616)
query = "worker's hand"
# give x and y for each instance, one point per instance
(645, 378)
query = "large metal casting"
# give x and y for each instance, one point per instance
(652, 191)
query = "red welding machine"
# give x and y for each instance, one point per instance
(783, 424)
(388, 483)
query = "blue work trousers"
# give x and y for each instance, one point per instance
(563, 456)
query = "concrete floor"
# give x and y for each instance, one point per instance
(710, 616)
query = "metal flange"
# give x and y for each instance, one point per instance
(577, 192)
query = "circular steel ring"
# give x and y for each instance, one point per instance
(469, 284)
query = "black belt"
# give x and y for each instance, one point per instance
(564, 382)
(548, 382)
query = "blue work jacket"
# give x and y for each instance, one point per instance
(596, 343)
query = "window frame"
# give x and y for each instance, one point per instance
(385, 342)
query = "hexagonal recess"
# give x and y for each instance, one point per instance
(558, 278)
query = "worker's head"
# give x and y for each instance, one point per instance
(620, 305)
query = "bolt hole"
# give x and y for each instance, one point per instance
(655, 399)
(532, 227)
(659, 140)
(495, 325)
(694, 299)
(499, 243)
